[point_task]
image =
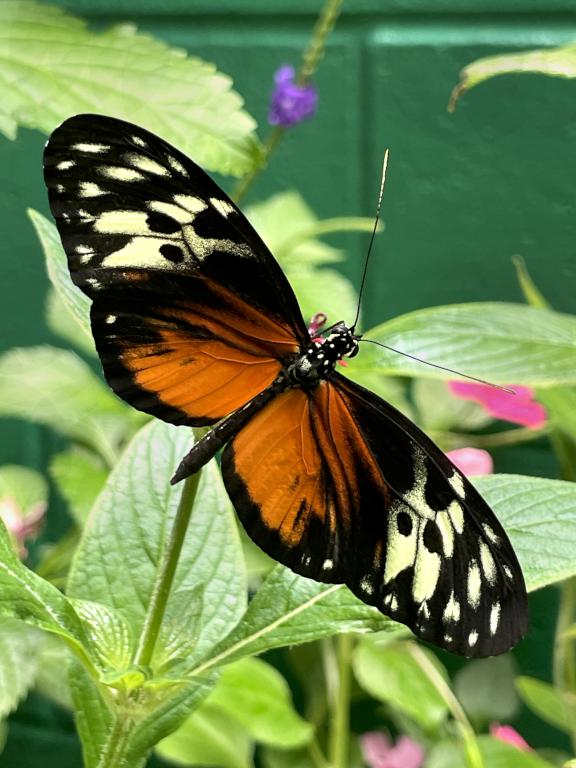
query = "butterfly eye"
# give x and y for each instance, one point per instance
(354, 351)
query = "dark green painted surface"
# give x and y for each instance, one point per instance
(465, 191)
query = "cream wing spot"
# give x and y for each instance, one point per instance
(444, 524)
(472, 638)
(175, 212)
(98, 149)
(456, 514)
(65, 165)
(146, 164)
(222, 206)
(452, 610)
(193, 204)
(177, 166)
(474, 585)
(494, 618)
(488, 564)
(117, 173)
(402, 541)
(457, 483)
(89, 189)
(494, 538)
(426, 574)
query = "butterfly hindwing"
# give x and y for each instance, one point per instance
(185, 293)
(373, 503)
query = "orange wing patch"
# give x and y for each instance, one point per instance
(296, 473)
(195, 359)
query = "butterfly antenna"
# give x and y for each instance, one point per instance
(374, 230)
(441, 367)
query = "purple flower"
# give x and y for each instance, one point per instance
(379, 752)
(291, 103)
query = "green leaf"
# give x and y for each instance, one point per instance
(440, 410)
(25, 596)
(109, 634)
(209, 738)
(560, 403)
(290, 609)
(25, 487)
(51, 678)
(69, 69)
(118, 559)
(76, 302)
(258, 697)
(60, 322)
(557, 62)
(323, 290)
(495, 754)
(80, 477)
(56, 388)
(93, 718)
(538, 515)
(504, 343)
(18, 664)
(546, 701)
(485, 688)
(291, 229)
(531, 292)
(390, 673)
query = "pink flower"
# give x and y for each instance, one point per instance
(317, 322)
(510, 736)
(472, 461)
(22, 525)
(519, 408)
(379, 752)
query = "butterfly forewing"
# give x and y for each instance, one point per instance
(191, 314)
(195, 322)
(373, 503)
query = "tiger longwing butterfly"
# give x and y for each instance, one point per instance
(195, 323)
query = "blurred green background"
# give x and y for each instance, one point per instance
(465, 191)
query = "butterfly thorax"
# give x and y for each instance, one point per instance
(319, 357)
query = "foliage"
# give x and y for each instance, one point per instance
(177, 669)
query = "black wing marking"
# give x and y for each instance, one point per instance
(125, 199)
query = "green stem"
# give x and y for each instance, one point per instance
(564, 652)
(316, 755)
(246, 182)
(310, 61)
(315, 51)
(467, 734)
(165, 579)
(340, 724)
(116, 744)
(494, 440)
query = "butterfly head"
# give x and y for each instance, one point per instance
(318, 359)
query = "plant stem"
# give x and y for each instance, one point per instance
(340, 723)
(494, 440)
(310, 61)
(471, 749)
(163, 585)
(564, 652)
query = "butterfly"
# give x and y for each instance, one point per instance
(195, 323)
